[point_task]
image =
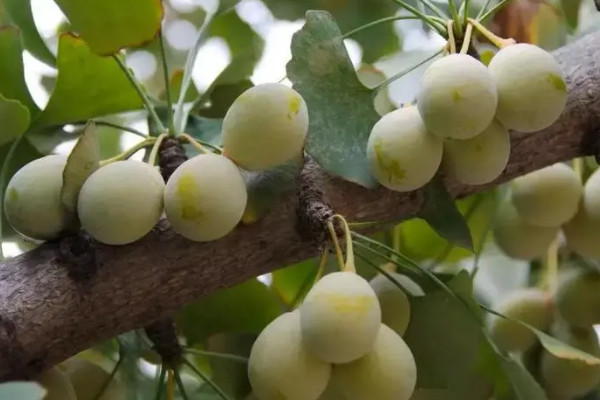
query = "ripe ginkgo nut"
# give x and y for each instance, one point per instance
(279, 366)
(205, 197)
(88, 379)
(340, 317)
(402, 154)
(480, 159)
(457, 97)
(582, 233)
(591, 196)
(387, 372)
(265, 126)
(577, 297)
(32, 200)
(121, 202)
(57, 385)
(532, 306)
(549, 196)
(531, 88)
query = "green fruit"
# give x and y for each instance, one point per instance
(519, 239)
(532, 306)
(591, 196)
(32, 203)
(280, 367)
(387, 372)
(88, 379)
(56, 384)
(577, 297)
(569, 379)
(121, 202)
(265, 126)
(457, 98)
(480, 159)
(583, 234)
(205, 198)
(531, 88)
(549, 196)
(402, 154)
(340, 318)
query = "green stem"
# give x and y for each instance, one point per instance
(218, 149)
(109, 379)
(197, 145)
(399, 75)
(336, 245)
(493, 10)
(180, 386)
(451, 39)
(378, 22)
(455, 18)
(165, 67)
(467, 39)
(435, 9)
(138, 88)
(483, 9)
(225, 356)
(121, 127)
(429, 20)
(154, 153)
(129, 152)
(382, 271)
(489, 35)
(161, 382)
(206, 379)
(465, 11)
(3, 176)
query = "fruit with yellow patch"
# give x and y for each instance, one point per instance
(57, 385)
(88, 379)
(549, 196)
(402, 154)
(32, 201)
(532, 92)
(280, 367)
(457, 97)
(265, 126)
(578, 297)
(532, 306)
(121, 202)
(340, 317)
(205, 197)
(480, 159)
(387, 372)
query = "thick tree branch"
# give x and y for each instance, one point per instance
(47, 313)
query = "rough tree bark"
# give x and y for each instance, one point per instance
(49, 311)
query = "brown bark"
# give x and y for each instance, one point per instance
(48, 311)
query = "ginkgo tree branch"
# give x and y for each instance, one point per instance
(63, 297)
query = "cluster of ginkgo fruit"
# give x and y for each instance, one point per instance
(204, 199)
(464, 111)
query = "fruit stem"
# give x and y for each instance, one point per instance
(117, 126)
(206, 379)
(195, 143)
(434, 22)
(578, 167)
(322, 263)
(489, 35)
(224, 356)
(336, 245)
(455, 19)
(377, 22)
(467, 39)
(483, 9)
(396, 239)
(165, 67)
(154, 153)
(170, 385)
(400, 74)
(550, 277)
(435, 9)
(350, 265)
(465, 11)
(451, 40)
(129, 152)
(109, 379)
(161, 382)
(494, 9)
(382, 270)
(180, 385)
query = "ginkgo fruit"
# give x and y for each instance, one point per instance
(577, 297)
(517, 238)
(205, 197)
(532, 306)
(121, 202)
(57, 385)
(591, 196)
(265, 126)
(480, 159)
(32, 201)
(340, 317)
(457, 97)
(531, 88)
(402, 154)
(582, 234)
(280, 367)
(549, 196)
(387, 372)
(88, 379)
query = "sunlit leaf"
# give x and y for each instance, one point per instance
(15, 119)
(571, 12)
(288, 282)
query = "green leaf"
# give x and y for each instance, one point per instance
(15, 119)
(205, 129)
(440, 211)
(19, 13)
(110, 25)
(222, 96)
(240, 36)
(288, 282)
(523, 386)
(12, 77)
(245, 308)
(340, 108)
(231, 377)
(82, 162)
(21, 391)
(571, 11)
(87, 86)
(175, 82)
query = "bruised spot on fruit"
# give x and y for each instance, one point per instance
(294, 106)
(391, 167)
(13, 195)
(456, 96)
(355, 304)
(558, 82)
(188, 193)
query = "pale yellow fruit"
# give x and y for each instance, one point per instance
(56, 384)
(402, 154)
(480, 159)
(265, 126)
(591, 196)
(549, 196)
(577, 297)
(332, 392)
(519, 239)
(532, 306)
(88, 379)
(280, 367)
(569, 379)
(583, 234)
(121, 202)
(531, 88)
(340, 318)
(457, 98)
(387, 372)
(372, 77)
(32, 202)
(205, 198)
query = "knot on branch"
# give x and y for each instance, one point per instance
(78, 253)
(163, 336)
(171, 155)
